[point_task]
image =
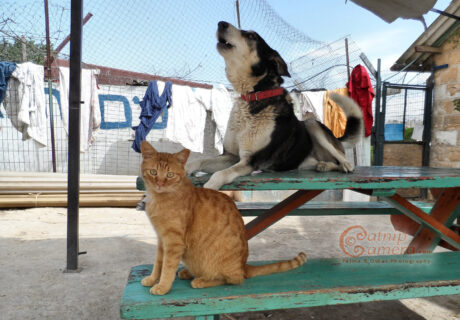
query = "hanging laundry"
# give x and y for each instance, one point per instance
(25, 102)
(221, 104)
(186, 119)
(90, 111)
(334, 117)
(304, 107)
(6, 69)
(360, 90)
(152, 105)
(316, 98)
(417, 134)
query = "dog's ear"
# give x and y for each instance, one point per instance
(281, 66)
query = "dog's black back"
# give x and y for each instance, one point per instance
(289, 142)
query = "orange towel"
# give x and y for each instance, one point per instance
(334, 117)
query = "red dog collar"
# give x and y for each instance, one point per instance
(260, 95)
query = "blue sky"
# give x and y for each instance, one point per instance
(329, 20)
(177, 38)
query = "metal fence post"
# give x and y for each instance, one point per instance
(73, 178)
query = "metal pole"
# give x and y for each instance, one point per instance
(405, 110)
(348, 58)
(427, 114)
(73, 178)
(355, 156)
(381, 132)
(67, 39)
(50, 86)
(378, 145)
(238, 13)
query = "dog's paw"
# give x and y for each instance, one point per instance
(215, 182)
(212, 185)
(322, 166)
(159, 289)
(148, 281)
(347, 167)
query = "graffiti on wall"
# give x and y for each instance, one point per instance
(104, 101)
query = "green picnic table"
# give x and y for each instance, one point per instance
(416, 273)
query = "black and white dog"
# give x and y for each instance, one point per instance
(263, 132)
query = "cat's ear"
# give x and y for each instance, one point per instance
(182, 156)
(147, 150)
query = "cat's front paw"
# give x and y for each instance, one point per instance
(148, 281)
(159, 289)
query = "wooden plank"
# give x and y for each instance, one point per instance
(418, 215)
(279, 211)
(60, 200)
(320, 208)
(427, 49)
(318, 282)
(446, 210)
(403, 223)
(378, 177)
(46, 175)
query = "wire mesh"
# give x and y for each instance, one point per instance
(145, 40)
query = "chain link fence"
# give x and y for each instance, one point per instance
(132, 42)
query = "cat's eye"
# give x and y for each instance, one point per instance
(153, 172)
(170, 175)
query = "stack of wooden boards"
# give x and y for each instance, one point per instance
(44, 189)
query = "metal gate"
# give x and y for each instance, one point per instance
(403, 118)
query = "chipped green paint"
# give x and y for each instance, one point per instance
(414, 217)
(322, 281)
(320, 208)
(318, 282)
(376, 178)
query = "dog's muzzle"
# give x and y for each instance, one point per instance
(222, 28)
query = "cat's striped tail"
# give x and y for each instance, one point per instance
(281, 266)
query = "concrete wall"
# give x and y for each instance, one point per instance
(445, 146)
(395, 154)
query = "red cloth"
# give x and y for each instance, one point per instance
(360, 90)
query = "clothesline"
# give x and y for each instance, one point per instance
(186, 117)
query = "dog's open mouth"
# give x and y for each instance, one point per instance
(224, 44)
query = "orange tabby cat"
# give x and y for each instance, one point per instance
(202, 227)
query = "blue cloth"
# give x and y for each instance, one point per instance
(6, 69)
(151, 108)
(394, 132)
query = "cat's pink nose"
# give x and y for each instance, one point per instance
(160, 184)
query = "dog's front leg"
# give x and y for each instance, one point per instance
(219, 178)
(211, 165)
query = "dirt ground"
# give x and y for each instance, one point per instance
(33, 256)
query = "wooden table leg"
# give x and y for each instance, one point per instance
(279, 211)
(405, 224)
(446, 209)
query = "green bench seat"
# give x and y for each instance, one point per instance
(327, 281)
(318, 282)
(320, 208)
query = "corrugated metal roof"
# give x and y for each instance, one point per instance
(434, 36)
